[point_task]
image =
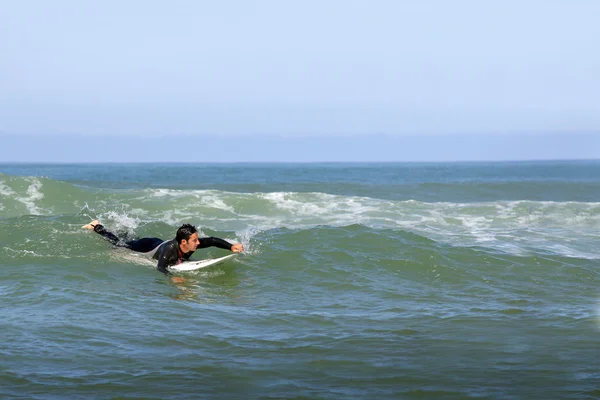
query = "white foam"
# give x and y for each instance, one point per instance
(287, 202)
(309, 209)
(33, 194)
(175, 217)
(181, 193)
(164, 192)
(517, 227)
(5, 190)
(520, 227)
(23, 252)
(214, 201)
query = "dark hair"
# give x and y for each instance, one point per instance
(184, 232)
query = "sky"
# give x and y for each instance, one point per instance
(335, 80)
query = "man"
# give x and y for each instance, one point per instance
(171, 252)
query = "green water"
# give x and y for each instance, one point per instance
(437, 281)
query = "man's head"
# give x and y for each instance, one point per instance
(187, 237)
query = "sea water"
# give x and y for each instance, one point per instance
(370, 281)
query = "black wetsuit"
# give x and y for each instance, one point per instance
(168, 253)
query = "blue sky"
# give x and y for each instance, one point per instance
(291, 74)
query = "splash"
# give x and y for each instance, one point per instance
(121, 222)
(245, 237)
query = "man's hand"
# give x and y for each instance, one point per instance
(91, 225)
(237, 248)
(177, 279)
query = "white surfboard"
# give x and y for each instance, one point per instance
(194, 265)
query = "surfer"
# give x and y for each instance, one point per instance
(170, 252)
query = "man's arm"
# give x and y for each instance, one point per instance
(111, 237)
(168, 255)
(162, 265)
(97, 227)
(214, 242)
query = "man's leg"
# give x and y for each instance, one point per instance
(144, 245)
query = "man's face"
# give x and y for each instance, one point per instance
(193, 242)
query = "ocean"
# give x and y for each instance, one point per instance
(359, 281)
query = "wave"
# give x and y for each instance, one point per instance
(517, 227)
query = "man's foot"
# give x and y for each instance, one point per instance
(91, 225)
